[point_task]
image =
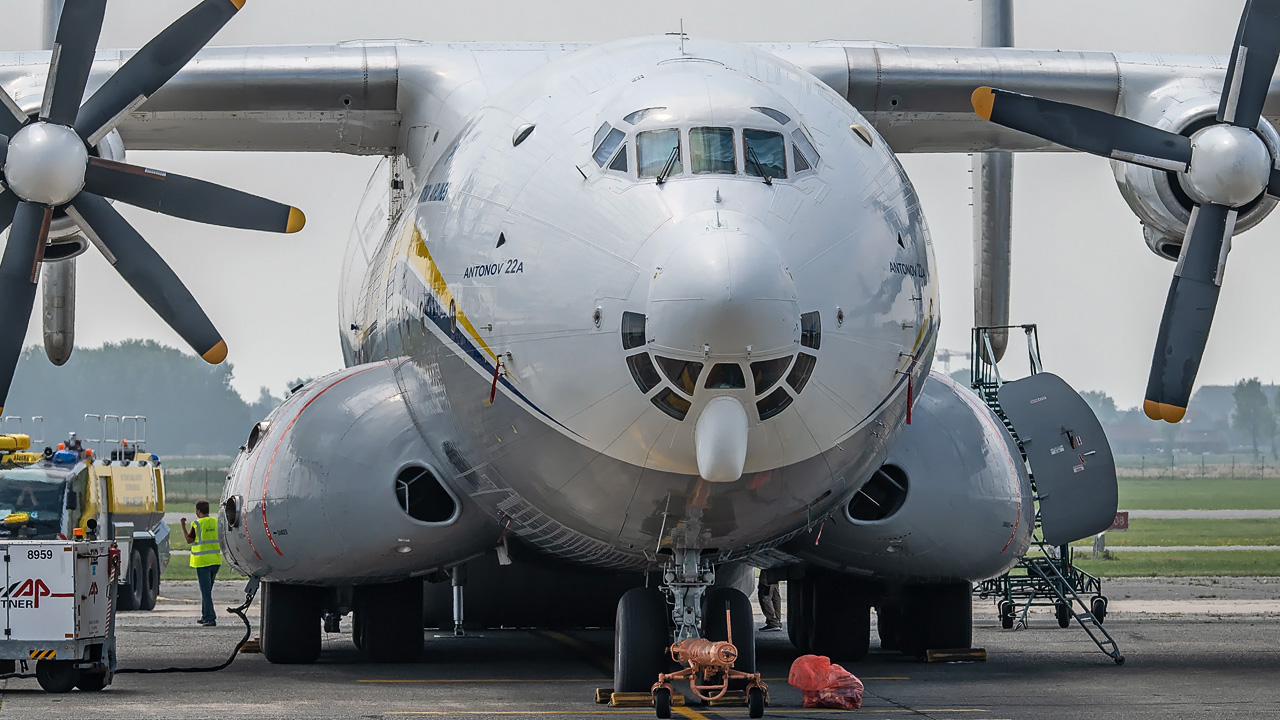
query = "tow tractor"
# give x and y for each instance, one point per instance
(115, 494)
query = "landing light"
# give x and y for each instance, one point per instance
(404, 549)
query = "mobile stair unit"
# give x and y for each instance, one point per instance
(1073, 488)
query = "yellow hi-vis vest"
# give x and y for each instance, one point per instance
(204, 551)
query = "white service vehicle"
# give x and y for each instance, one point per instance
(57, 609)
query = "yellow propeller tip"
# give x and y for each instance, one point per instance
(217, 353)
(984, 99)
(1163, 411)
(297, 220)
(238, 3)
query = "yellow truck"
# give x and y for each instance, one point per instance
(47, 495)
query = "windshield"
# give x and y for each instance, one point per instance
(33, 493)
(655, 149)
(765, 153)
(711, 150)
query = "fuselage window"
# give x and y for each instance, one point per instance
(643, 372)
(780, 117)
(774, 404)
(711, 151)
(672, 404)
(605, 149)
(632, 330)
(765, 153)
(767, 373)
(655, 149)
(682, 373)
(801, 163)
(811, 330)
(726, 376)
(620, 160)
(639, 115)
(801, 371)
(805, 150)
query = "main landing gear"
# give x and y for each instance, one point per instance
(386, 623)
(714, 639)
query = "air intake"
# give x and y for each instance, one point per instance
(881, 497)
(423, 497)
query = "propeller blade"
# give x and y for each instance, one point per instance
(73, 49)
(1085, 129)
(4, 150)
(1188, 312)
(1253, 62)
(8, 206)
(188, 198)
(12, 119)
(152, 66)
(18, 285)
(149, 275)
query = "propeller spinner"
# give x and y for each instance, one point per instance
(1222, 167)
(47, 166)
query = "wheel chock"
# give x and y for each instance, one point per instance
(956, 655)
(604, 695)
(251, 646)
(640, 700)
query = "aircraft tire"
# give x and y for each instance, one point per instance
(889, 626)
(640, 640)
(391, 621)
(841, 619)
(944, 617)
(290, 632)
(799, 612)
(129, 594)
(150, 579)
(744, 631)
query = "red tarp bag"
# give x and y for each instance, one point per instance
(825, 685)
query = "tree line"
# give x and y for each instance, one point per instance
(190, 405)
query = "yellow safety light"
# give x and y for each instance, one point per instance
(12, 443)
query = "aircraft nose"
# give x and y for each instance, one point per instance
(723, 294)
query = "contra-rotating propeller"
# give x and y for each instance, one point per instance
(48, 166)
(1222, 167)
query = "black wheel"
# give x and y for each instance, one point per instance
(290, 632)
(662, 703)
(357, 629)
(1098, 606)
(640, 640)
(942, 617)
(56, 676)
(91, 681)
(755, 703)
(744, 630)
(889, 626)
(391, 621)
(799, 612)
(150, 577)
(1064, 614)
(840, 624)
(129, 595)
(1007, 614)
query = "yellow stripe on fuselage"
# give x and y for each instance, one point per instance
(414, 251)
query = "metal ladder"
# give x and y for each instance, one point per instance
(1065, 590)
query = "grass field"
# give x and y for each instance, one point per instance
(1242, 563)
(179, 569)
(1147, 531)
(1199, 494)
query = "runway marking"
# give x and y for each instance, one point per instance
(689, 712)
(590, 654)
(487, 680)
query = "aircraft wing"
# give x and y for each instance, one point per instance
(350, 98)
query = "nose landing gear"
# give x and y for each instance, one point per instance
(709, 661)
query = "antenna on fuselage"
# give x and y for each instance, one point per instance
(682, 36)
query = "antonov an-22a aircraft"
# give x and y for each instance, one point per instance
(631, 317)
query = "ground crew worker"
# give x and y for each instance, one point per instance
(770, 598)
(206, 558)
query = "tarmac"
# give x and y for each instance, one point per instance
(1207, 647)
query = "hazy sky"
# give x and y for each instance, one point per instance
(1081, 269)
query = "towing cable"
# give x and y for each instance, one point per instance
(250, 591)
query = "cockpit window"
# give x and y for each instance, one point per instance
(639, 115)
(811, 330)
(767, 373)
(672, 404)
(801, 372)
(620, 160)
(604, 150)
(682, 373)
(643, 372)
(726, 376)
(776, 115)
(765, 153)
(654, 149)
(774, 404)
(632, 330)
(711, 151)
(805, 151)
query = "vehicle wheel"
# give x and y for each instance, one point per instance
(840, 625)
(799, 612)
(129, 595)
(662, 703)
(150, 578)
(744, 631)
(755, 703)
(640, 640)
(391, 621)
(1098, 606)
(91, 681)
(943, 616)
(1064, 615)
(290, 631)
(56, 676)
(1007, 614)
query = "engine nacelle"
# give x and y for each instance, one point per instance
(952, 501)
(1158, 197)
